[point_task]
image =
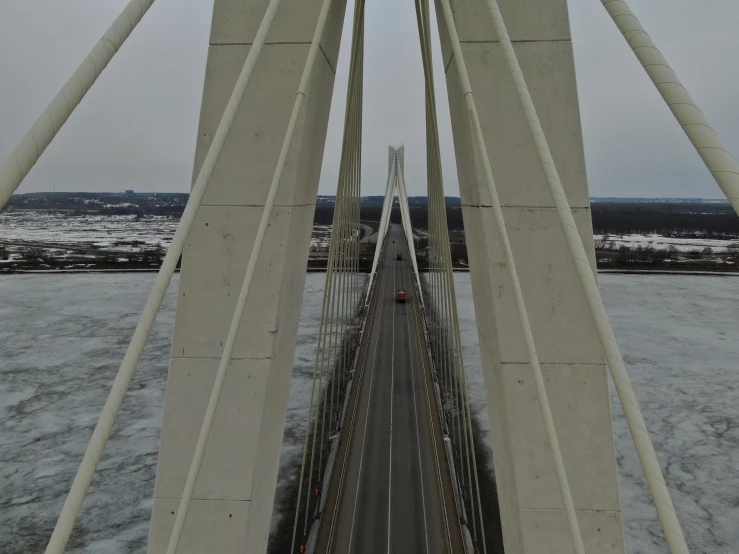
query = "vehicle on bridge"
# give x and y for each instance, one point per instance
(400, 297)
(399, 256)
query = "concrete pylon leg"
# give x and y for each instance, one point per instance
(233, 500)
(572, 359)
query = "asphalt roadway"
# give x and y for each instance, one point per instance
(391, 489)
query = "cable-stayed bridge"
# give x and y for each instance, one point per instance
(389, 460)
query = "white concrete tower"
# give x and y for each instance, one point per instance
(232, 504)
(572, 359)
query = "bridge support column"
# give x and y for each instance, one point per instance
(572, 359)
(232, 504)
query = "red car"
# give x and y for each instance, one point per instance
(400, 296)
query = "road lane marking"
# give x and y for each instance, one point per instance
(418, 437)
(366, 417)
(372, 317)
(392, 387)
(421, 350)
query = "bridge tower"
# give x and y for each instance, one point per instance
(572, 359)
(234, 495)
(232, 502)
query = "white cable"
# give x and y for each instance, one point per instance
(406, 216)
(327, 318)
(29, 149)
(386, 206)
(637, 426)
(100, 436)
(248, 278)
(479, 141)
(348, 143)
(722, 165)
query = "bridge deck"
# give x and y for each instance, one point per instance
(395, 491)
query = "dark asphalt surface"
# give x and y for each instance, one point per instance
(395, 492)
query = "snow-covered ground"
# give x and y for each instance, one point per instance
(659, 242)
(321, 237)
(63, 336)
(110, 232)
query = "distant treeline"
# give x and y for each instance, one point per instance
(704, 220)
(324, 215)
(710, 220)
(685, 220)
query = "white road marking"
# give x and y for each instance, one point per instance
(418, 437)
(392, 378)
(421, 349)
(366, 419)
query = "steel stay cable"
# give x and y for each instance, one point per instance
(637, 426)
(723, 166)
(380, 234)
(354, 183)
(455, 323)
(333, 316)
(472, 473)
(346, 246)
(409, 231)
(472, 442)
(431, 179)
(331, 265)
(431, 213)
(337, 315)
(336, 358)
(310, 403)
(340, 351)
(462, 394)
(113, 403)
(479, 143)
(318, 368)
(30, 148)
(357, 192)
(424, 21)
(349, 136)
(325, 333)
(438, 203)
(351, 175)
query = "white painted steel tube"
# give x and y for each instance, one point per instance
(381, 231)
(249, 276)
(406, 215)
(479, 141)
(100, 436)
(722, 165)
(31, 146)
(645, 448)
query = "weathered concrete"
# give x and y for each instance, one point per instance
(232, 504)
(572, 358)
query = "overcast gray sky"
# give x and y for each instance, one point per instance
(136, 128)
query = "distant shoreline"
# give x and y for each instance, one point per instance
(685, 272)
(90, 233)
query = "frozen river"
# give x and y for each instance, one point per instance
(63, 336)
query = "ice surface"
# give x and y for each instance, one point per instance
(62, 338)
(680, 338)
